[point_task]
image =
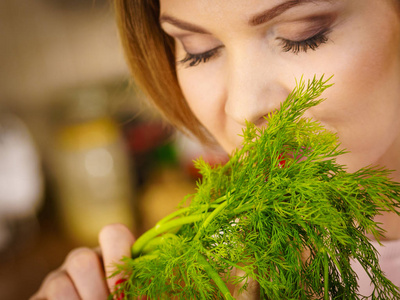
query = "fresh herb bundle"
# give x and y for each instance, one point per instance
(282, 194)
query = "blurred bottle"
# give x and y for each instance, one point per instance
(91, 166)
(21, 179)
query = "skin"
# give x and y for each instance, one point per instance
(82, 275)
(250, 74)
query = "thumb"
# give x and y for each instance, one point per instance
(252, 291)
(115, 242)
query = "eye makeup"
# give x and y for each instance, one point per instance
(192, 60)
(306, 34)
(311, 43)
(293, 34)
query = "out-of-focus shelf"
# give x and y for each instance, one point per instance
(50, 45)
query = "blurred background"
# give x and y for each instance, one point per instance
(78, 148)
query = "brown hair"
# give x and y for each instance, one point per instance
(150, 56)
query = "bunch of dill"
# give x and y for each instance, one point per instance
(282, 210)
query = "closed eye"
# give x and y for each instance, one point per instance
(311, 43)
(191, 60)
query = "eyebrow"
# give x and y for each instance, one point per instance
(258, 19)
(182, 24)
(274, 12)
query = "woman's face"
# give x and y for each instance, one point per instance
(239, 59)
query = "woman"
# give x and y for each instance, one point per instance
(211, 65)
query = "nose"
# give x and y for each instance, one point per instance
(253, 90)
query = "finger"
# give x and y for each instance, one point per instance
(40, 294)
(57, 286)
(115, 241)
(252, 291)
(84, 267)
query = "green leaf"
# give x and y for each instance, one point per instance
(280, 195)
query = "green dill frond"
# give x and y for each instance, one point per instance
(281, 195)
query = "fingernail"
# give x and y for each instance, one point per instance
(281, 161)
(119, 281)
(121, 294)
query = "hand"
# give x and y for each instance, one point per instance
(252, 292)
(84, 273)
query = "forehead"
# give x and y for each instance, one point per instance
(227, 18)
(232, 6)
(252, 12)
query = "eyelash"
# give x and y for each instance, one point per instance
(195, 59)
(295, 47)
(302, 46)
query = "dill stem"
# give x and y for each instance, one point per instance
(243, 208)
(173, 215)
(182, 211)
(326, 276)
(158, 229)
(147, 257)
(215, 276)
(151, 245)
(222, 198)
(168, 223)
(209, 219)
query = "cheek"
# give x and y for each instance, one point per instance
(364, 104)
(366, 76)
(203, 90)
